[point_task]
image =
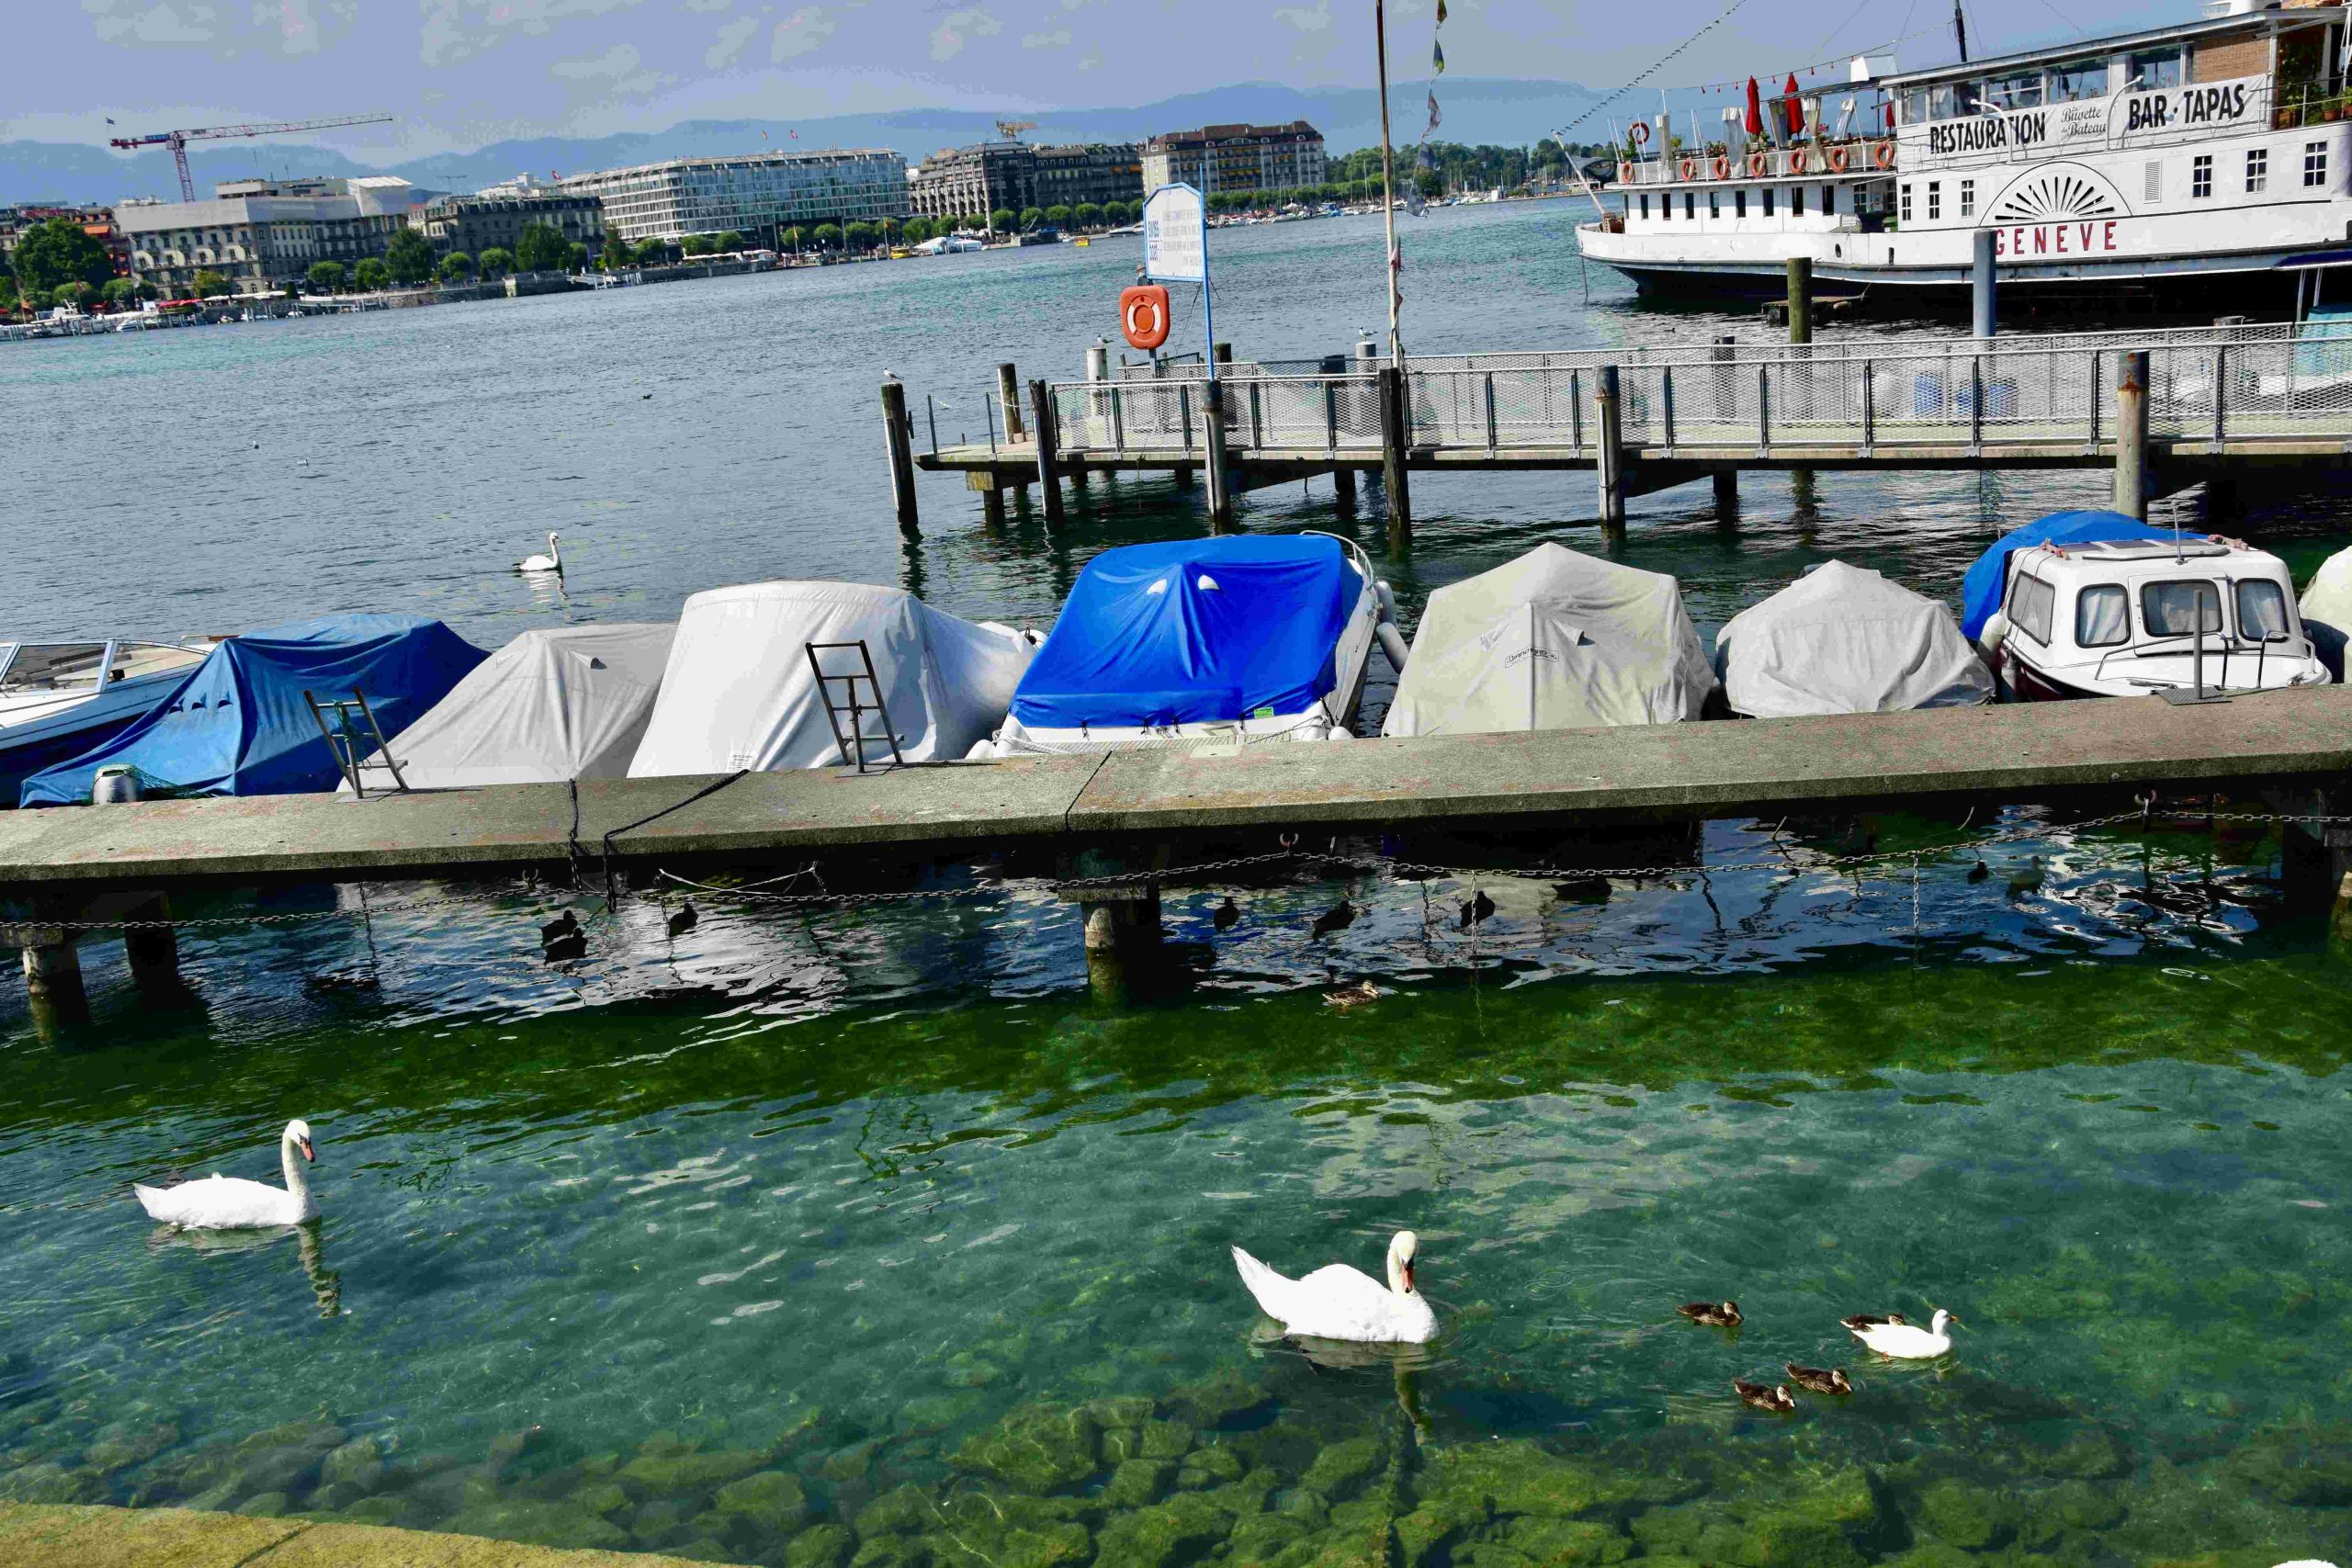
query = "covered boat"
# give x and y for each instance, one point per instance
(238, 724)
(559, 703)
(1843, 639)
(741, 691)
(1986, 583)
(1552, 640)
(60, 699)
(1221, 639)
(2326, 609)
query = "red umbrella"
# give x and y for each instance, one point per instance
(1755, 110)
(1796, 105)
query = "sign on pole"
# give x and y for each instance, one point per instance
(1176, 236)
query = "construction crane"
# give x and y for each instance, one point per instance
(177, 141)
(1010, 130)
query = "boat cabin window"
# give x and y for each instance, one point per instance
(2102, 616)
(1914, 106)
(54, 667)
(2077, 79)
(2166, 607)
(2032, 604)
(2152, 68)
(2262, 611)
(1956, 98)
(2022, 91)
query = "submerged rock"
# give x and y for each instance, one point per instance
(1341, 1469)
(1138, 1483)
(1037, 1449)
(770, 1499)
(49, 1482)
(121, 1445)
(1518, 1477)
(670, 1472)
(820, 1546)
(1966, 1516)
(358, 1463)
(537, 1523)
(1173, 1531)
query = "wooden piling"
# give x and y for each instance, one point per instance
(1726, 495)
(1609, 453)
(1343, 489)
(900, 436)
(2131, 433)
(1041, 407)
(1008, 394)
(1220, 480)
(1799, 298)
(1392, 458)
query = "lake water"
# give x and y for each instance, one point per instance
(865, 1235)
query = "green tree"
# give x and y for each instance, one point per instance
(370, 275)
(576, 257)
(409, 256)
(456, 267)
(58, 252)
(1057, 215)
(730, 241)
(1003, 220)
(1030, 217)
(7, 291)
(495, 260)
(77, 293)
(540, 249)
(326, 276)
(1088, 215)
(615, 255)
(122, 291)
(916, 230)
(695, 245)
(858, 237)
(653, 252)
(210, 284)
(827, 237)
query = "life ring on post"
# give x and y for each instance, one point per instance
(1143, 316)
(1722, 169)
(1757, 164)
(1689, 169)
(1837, 159)
(1882, 155)
(1640, 132)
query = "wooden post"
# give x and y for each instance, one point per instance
(902, 455)
(1726, 495)
(992, 508)
(1343, 489)
(1220, 483)
(2132, 435)
(1041, 408)
(1609, 453)
(1801, 298)
(1008, 393)
(1392, 458)
(153, 950)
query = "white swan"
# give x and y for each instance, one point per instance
(1341, 1303)
(230, 1202)
(551, 561)
(1908, 1341)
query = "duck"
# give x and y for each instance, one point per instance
(1820, 1379)
(1353, 996)
(1755, 1395)
(1474, 911)
(1862, 1320)
(1980, 871)
(231, 1203)
(2025, 882)
(563, 925)
(1338, 1301)
(551, 561)
(1714, 1314)
(1227, 914)
(1338, 918)
(1908, 1342)
(685, 919)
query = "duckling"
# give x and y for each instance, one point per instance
(1227, 914)
(1338, 918)
(1477, 909)
(2027, 882)
(1714, 1314)
(1353, 996)
(684, 920)
(1820, 1379)
(1980, 871)
(1862, 1320)
(564, 925)
(1778, 1400)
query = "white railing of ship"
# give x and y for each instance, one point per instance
(1807, 162)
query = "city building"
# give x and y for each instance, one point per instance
(989, 176)
(263, 235)
(1238, 158)
(1094, 171)
(753, 195)
(95, 222)
(497, 217)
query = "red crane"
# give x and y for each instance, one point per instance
(177, 141)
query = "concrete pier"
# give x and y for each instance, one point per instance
(93, 1536)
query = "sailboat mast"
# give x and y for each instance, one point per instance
(1960, 30)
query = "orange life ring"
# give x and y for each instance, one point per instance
(1721, 170)
(1689, 168)
(1757, 164)
(1837, 158)
(1143, 316)
(1882, 155)
(1798, 162)
(1625, 173)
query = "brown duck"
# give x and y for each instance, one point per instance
(1353, 996)
(1821, 1379)
(1862, 1320)
(1714, 1314)
(1757, 1396)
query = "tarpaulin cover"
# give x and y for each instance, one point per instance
(238, 724)
(1843, 639)
(1552, 640)
(1988, 579)
(1195, 631)
(738, 691)
(560, 703)
(2328, 610)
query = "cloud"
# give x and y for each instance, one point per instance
(274, 27)
(728, 48)
(455, 29)
(801, 33)
(617, 68)
(958, 28)
(1317, 20)
(1058, 39)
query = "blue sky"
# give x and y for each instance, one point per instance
(462, 72)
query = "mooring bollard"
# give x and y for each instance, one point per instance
(1609, 453)
(902, 455)
(2131, 433)
(1392, 458)
(1041, 408)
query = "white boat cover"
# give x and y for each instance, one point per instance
(1843, 639)
(1552, 640)
(560, 703)
(739, 691)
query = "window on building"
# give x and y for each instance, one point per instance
(2257, 171)
(2152, 68)
(1768, 201)
(1796, 201)
(1906, 214)
(2314, 164)
(1968, 198)
(1740, 204)
(1935, 199)
(2077, 80)
(2201, 177)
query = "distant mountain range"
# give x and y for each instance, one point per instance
(1510, 113)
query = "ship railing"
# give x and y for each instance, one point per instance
(1807, 161)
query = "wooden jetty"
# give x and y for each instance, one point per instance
(1148, 810)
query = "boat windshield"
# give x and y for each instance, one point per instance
(2262, 611)
(2173, 608)
(53, 667)
(136, 660)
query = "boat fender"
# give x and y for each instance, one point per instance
(1340, 732)
(1387, 598)
(1392, 643)
(1996, 632)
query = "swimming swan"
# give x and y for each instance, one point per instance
(1340, 1303)
(230, 1202)
(551, 561)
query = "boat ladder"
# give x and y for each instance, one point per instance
(355, 738)
(847, 714)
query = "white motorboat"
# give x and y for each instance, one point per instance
(1196, 642)
(60, 699)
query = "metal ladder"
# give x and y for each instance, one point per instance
(354, 743)
(851, 707)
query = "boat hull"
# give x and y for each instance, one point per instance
(2255, 285)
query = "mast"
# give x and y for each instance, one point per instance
(1960, 30)
(1388, 182)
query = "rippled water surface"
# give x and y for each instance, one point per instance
(865, 1235)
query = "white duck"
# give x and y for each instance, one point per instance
(1908, 1341)
(551, 561)
(230, 1202)
(1341, 1303)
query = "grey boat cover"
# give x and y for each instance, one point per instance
(1843, 639)
(739, 692)
(560, 703)
(1552, 640)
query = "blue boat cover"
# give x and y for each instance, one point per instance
(1191, 631)
(1988, 579)
(238, 724)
